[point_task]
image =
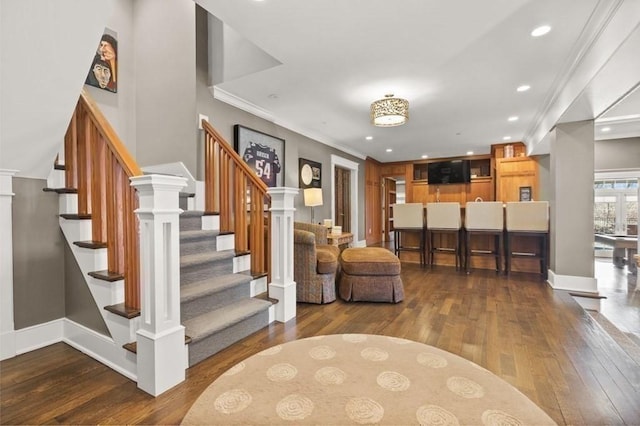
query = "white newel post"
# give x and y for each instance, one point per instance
(282, 286)
(7, 332)
(161, 350)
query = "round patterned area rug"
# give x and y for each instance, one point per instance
(361, 379)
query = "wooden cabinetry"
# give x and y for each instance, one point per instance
(373, 202)
(481, 185)
(389, 201)
(515, 173)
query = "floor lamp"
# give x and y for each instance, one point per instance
(312, 198)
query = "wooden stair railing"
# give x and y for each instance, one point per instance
(239, 196)
(99, 166)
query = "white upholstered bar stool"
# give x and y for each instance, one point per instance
(484, 218)
(528, 219)
(409, 218)
(443, 219)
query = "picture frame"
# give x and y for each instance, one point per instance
(525, 193)
(309, 174)
(103, 72)
(262, 152)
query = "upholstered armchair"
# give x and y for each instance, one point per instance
(315, 264)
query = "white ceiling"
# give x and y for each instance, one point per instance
(458, 63)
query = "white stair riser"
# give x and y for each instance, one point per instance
(225, 242)
(241, 263)
(68, 204)
(56, 179)
(258, 286)
(211, 223)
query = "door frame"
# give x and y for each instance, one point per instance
(337, 161)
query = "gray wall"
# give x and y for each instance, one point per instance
(38, 254)
(79, 303)
(223, 117)
(617, 154)
(544, 177)
(164, 45)
(119, 108)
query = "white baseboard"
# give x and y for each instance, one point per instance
(258, 286)
(7, 345)
(97, 346)
(38, 336)
(573, 283)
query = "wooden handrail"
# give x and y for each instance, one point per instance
(111, 137)
(99, 166)
(238, 195)
(248, 171)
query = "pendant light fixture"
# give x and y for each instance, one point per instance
(389, 111)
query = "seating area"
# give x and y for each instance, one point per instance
(502, 231)
(315, 264)
(370, 274)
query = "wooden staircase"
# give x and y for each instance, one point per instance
(219, 277)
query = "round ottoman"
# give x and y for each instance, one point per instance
(370, 274)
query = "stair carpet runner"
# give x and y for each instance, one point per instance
(216, 306)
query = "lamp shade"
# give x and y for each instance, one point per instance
(389, 111)
(313, 197)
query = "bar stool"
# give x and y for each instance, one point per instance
(409, 218)
(528, 219)
(484, 218)
(444, 219)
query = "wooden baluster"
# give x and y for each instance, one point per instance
(98, 191)
(209, 170)
(83, 163)
(240, 210)
(122, 185)
(131, 253)
(111, 213)
(257, 230)
(215, 183)
(71, 152)
(225, 207)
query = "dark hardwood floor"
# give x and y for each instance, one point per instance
(537, 339)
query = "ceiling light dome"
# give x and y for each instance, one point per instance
(389, 111)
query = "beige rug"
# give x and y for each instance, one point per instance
(361, 379)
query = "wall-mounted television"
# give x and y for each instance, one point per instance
(444, 172)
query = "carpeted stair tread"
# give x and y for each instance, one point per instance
(216, 284)
(200, 327)
(195, 235)
(192, 213)
(201, 258)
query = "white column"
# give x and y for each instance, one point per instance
(7, 332)
(571, 247)
(161, 351)
(282, 286)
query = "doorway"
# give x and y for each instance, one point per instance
(342, 201)
(339, 162)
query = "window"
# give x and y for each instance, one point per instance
(616, 206)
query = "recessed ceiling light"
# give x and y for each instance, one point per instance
(513, 118)
(506, 138)
(369, 138)
(389, 150)
(523, 88)
(272, 96)
(425, 156)
(540, 31)
(605, 129)
(469, 152)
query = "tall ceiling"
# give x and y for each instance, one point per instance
(458, 62)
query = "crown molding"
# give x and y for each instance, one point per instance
(576, 72)
(237, 102)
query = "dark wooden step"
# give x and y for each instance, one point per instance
(107, 275)
(133, 346)
(91, 245)
(59, 167)
(211, 214)
(265, 296)
(61, 190)
(123, 311)
(242, 252)
(76, 216)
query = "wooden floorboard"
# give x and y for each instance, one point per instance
(539, 340)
